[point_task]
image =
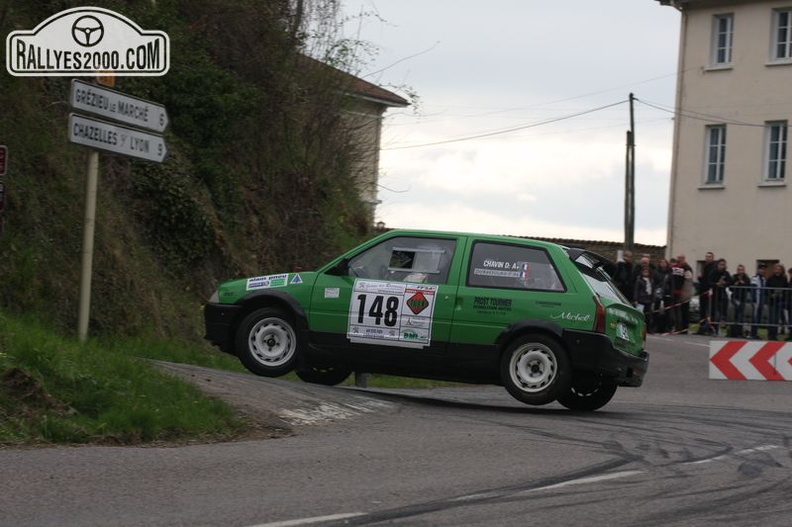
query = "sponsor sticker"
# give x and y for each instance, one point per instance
(266, 282)
(332, 292)
(484, 304)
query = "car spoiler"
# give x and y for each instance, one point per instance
(597, 260)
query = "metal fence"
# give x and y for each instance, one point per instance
(733, 311)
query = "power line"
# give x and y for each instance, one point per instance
(509, 130)
(690, 114)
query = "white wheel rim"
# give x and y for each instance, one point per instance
(272, 342)
(533, 367)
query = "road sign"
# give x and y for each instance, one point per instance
(743, 360)
(118, 106)
(116, 138)
(3, 160)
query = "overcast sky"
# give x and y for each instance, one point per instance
(546, 68)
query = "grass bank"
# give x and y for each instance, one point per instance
(56, 390)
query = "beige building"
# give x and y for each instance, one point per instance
(729, 193)
(365, 114)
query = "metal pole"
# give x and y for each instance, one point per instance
(88, 244)
(629, 212)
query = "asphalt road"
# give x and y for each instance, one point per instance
(681, 450)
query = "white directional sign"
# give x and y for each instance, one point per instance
(116, 138)
(118, 106)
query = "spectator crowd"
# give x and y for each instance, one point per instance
(716, 302)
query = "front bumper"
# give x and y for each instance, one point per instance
(218, 319)
(595, 352)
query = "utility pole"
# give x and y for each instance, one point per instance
(629, 183)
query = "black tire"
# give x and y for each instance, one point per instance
(535, 369)
(267, 342)
(328, 375)
(588, 392)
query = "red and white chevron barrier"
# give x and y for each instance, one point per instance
(750, 360)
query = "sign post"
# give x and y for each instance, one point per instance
(88, 245)
(98, 134)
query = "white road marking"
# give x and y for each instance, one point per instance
(479, 496)
(327, 412)
(309, 521)
(591, 479)
(733, 454)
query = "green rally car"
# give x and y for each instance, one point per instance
(540, 319)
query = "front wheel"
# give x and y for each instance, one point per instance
(535, 369)
(327, 375)
(267, 342)
(589, 392)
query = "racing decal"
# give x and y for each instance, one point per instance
(265, 282)
(296, 280)
(520, 270)
(417, 303)
(485, 304)
(332, 292)
(391, 313)
(572, 317)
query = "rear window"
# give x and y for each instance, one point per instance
(506, 266)
(598, 279)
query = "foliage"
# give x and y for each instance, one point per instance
(257, 179)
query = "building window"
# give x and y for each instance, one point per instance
(776, 137)
(722, 37)
(782, 39)
(716, 154)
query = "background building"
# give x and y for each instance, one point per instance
(729, 193)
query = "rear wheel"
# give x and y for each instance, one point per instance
(588, 392)
(535, 369)
(267, 342)
(328, 375)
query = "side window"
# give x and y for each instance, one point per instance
(512, 267)
(406, 259)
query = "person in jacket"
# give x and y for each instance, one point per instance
(706, 311)
(777, 286)
(644, 294)
(663, 296)
(759, 298)
(740, 287)
(682, 287)
(624, 276)
(719, 281)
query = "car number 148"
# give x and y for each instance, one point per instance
(391, 313)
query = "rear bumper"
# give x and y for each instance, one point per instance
(217, 320)
(595, 352)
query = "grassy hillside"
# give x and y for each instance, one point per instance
(257, 178)
(54, 390)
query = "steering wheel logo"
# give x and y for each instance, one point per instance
(87, 31)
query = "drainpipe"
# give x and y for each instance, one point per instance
(677, 126)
